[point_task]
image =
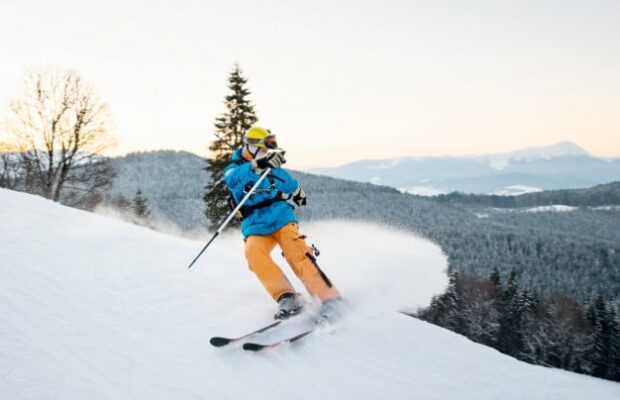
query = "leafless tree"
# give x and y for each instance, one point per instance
(61, 128)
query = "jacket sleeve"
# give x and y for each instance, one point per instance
(237, 176)
(284, 181)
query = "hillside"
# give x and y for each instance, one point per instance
(173, 181)
(95, 308)
(575, 253)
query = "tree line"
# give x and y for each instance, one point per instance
(599, 195)
(574, 253)
(553, 331)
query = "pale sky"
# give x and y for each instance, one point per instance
(337, 81)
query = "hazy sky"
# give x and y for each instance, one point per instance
(337, 80)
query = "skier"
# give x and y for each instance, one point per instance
(268, 219)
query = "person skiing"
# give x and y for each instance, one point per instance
(267, 219)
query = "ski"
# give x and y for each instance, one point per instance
(260, 347)
(219, 341)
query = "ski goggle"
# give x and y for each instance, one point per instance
(268, 142)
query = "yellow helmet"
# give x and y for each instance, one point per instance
(260, 137)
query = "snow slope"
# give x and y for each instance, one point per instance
(93, 308)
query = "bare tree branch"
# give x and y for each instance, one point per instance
(61, 128)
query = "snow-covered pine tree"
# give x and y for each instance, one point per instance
(494, 277)
(614, 346)
(229, 130)
(444, 309)
(510, 335)
(602, 319)
(140, 207)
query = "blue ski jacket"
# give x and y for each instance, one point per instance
(240, 177)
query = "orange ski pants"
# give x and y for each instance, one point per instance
(298, 255)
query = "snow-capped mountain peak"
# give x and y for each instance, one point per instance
(563, 165)
(561, 149)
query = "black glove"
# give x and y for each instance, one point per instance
(273, 159)
(298, 197)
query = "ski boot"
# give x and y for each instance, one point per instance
(330, 311)
(289, 304)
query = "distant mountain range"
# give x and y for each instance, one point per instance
(561, 166)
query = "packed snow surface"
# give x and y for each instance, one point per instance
(516, 190)
(606, 208)
(552, 208)
(428, 191)
(94, 308)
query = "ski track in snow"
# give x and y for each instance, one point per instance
(93, 308)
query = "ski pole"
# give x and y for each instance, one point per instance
(232, 214)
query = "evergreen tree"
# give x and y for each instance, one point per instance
(229, 130)
(443, 310)
(614, 347)
(604, 327)
(495, 276)
(140, 207)
(450, 303)
(527, 307)
(510, 335)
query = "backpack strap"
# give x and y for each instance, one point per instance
(245, 210)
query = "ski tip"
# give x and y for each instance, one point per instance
(219, 341)
(253, 346)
